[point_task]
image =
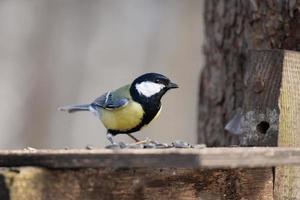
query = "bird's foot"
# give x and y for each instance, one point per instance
(109, 137)
(139, 144)
(120, 145)
(147, 140)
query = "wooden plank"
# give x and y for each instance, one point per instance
(150, 158)
(287, 185)
(29, 183)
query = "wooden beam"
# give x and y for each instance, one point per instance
(29, 183)
(287, 180)
(152, 158)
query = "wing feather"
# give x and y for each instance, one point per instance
(107, 101)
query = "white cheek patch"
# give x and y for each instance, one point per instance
(148, 88)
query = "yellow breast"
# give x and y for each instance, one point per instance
(124, 118)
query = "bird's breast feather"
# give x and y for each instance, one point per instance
(124, 118)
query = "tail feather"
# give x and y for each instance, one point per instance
(75, 108)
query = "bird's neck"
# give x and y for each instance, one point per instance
(151, 105)
(153, 101)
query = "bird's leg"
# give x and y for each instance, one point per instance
(137, 141)
(110, 138)
(134, 138)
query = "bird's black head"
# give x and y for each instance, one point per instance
(150, 87)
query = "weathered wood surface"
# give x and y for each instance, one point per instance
(272, 98)
(232, 27)
(181, 158)
(29, 183)
(262, 80)
(287, 185)
(270, 76)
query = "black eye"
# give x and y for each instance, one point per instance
(157, 81)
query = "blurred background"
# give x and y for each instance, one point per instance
(58, 52)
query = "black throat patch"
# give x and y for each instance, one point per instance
(151, 105)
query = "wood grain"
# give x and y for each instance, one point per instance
(232, 27)
(262, 81)
(287, 178)
(28, 183)
(180, 158)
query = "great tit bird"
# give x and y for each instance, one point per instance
(129, 108)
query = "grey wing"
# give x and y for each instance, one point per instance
(108, 102)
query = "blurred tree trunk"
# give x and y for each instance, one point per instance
(233, 27)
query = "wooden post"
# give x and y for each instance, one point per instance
(287, 180)
(257, 120)
(260, 111)
(231, 29)
(270, 114)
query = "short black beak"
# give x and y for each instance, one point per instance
(172, 85)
